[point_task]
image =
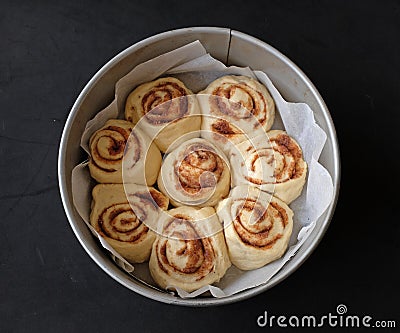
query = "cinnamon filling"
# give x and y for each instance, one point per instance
(113, 144)
(240, 101)
(262, 233)
(200, 168)
(165, 103)
(185, 251)
(224, 128)
(119, 222)
(287, 147)
(285, 157)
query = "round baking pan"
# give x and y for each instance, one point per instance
(232, 48)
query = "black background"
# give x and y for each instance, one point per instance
(49, 50)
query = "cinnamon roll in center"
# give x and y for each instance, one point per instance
(199, 169)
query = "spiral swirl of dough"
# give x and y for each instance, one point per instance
(165, 109)
(241, 99)
(272, 162)
(165, 102)
(235, 108)
(195, 173)
(190, 253)
(121, 218)
(107, 146)
(257, 227)
(199, 168)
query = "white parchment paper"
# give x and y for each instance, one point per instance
(192, 65)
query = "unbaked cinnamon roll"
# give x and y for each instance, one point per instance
(234, 108)
(190, 252)
(272, 162)
(257, 227)
(196, 173)
(165, 109)
(108, 146)
(120, 218)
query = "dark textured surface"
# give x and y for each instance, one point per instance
(49, 50)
